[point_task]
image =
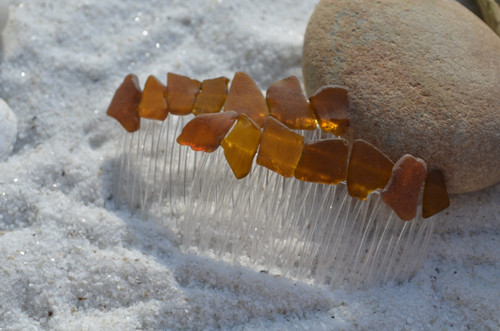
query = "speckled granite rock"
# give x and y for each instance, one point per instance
(423, 78)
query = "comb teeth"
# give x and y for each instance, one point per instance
(302, 230)
(154, 173)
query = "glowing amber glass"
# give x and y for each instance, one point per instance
(403, 189)
(212, 96)
(181, 93)
(245, 97)
(287, 103)
(125, 102)
(369, 169)
(323, 162)
(206, 131)
(153, 104)
(330, 105)
(241, 144)
(435, 195)
(280, 148)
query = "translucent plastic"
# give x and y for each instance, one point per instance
(307, 231)
(301, 230)
(154, 173)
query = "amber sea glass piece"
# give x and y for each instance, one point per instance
(241, 144)
(245, 97)
(330, 105)
(125, 102)
(153, 104)
(289, 106)
(403, 189)
(212, 96)
(323, 161)
(435, 197)
(206, 131)
(181, 93)
(280, 148)
(368, 169)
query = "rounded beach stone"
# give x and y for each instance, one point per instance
(423, 79)
(4, 14)
(8, 129)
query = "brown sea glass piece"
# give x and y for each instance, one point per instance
(289, 106)
(241, 144)
(323, 161)
(206, 131)
(369, 169)
(125, 102)
(153, 104)
(212, 96)
(435, 197)
(280, 148)
(403, 189)
(181, 93)
(330, 105)
(245, 97)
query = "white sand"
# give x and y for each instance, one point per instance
(69, 261)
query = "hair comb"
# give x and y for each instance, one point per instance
(284, 193)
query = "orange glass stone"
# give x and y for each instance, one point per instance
(369, 169)
(287, 104)
(280, 148)
(245, 97)
(330, 105)
(241, 144)
(403, 189)
(153, 104)
(181, 93)
(206, 131)
(435, 194)
(212, 96)
(125, 102)
(323, 161)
